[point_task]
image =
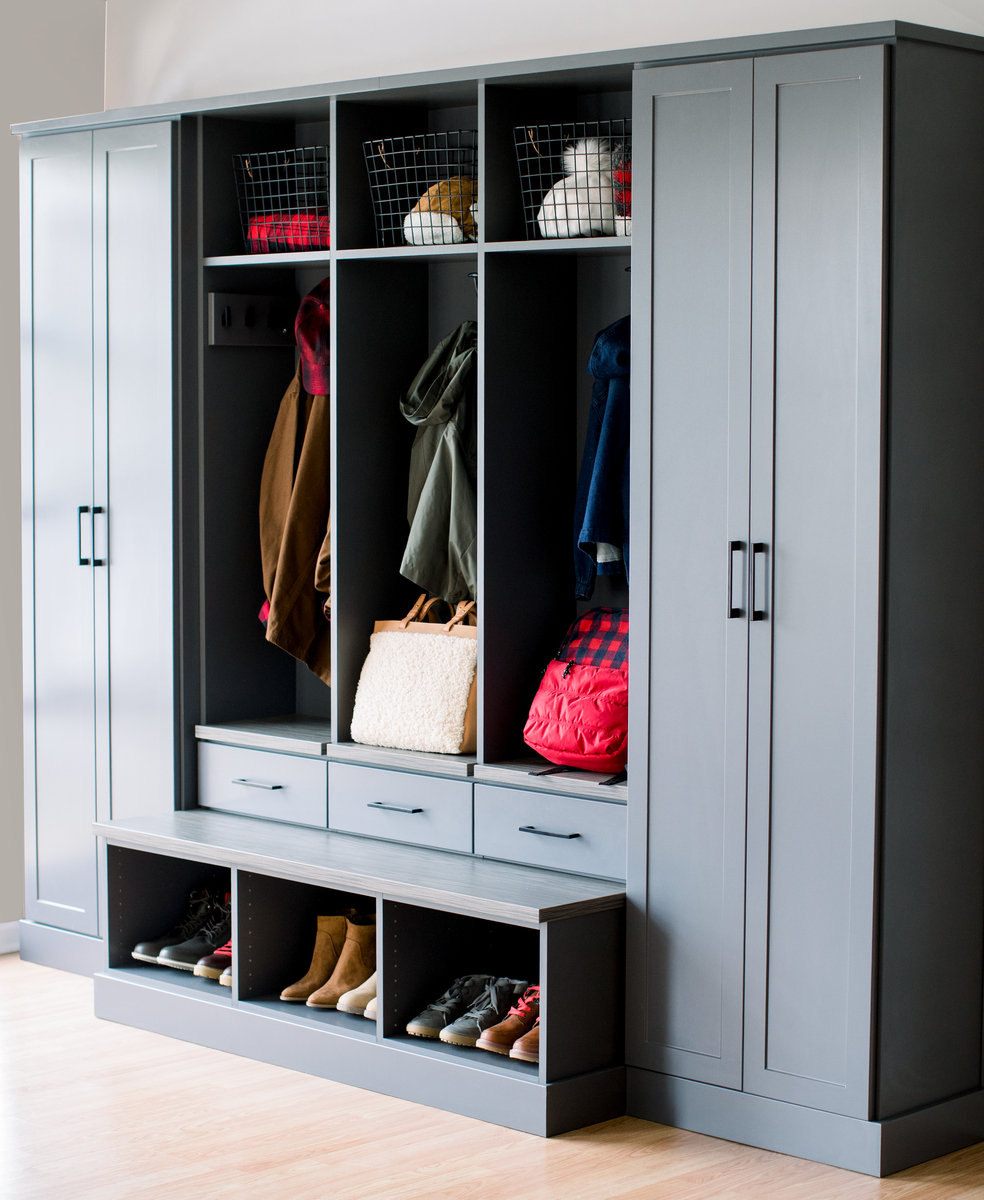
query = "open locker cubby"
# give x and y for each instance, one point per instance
(147, 896)
(603, 94)
(221, 139)
(542, 312)
(441, 108)
(406, 308)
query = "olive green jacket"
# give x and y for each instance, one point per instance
(441, 554)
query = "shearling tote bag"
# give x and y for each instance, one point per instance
(417, 689)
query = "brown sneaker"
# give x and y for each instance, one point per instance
(521, 1019)
(356, 963)
(528, 1046)
(327, 947)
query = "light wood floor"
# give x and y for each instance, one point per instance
(89, 1109)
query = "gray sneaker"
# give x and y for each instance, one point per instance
(489, 1009)
(456, 1000)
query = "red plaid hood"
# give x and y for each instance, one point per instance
(598, 638)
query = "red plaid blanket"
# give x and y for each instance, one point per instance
(288, 231)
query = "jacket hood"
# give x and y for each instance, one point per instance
(610, 353)
(441, 381)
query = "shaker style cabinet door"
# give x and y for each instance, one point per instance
(134, 455)
(813, 663)
(690, 431)
(59, 663)
(98, 539)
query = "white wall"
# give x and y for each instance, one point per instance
(51, 63)
(186, 49)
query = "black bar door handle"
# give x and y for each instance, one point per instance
(759, 580)
(393, 807)
(83, 508)
(546, 832)
(267, 787)
(96, 562)
(735, 610)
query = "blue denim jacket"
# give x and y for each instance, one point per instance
(601, 511)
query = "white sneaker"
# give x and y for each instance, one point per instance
(371, 1009)
(356, 1000)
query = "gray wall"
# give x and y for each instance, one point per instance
(52, 56)
(179, 49)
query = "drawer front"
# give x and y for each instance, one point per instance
(516, 825)
(418, 809)
(259, 783)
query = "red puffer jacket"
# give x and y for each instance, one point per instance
(579, 716)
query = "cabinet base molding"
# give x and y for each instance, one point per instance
(51, 947)
(871, 1147)
(523, 1104)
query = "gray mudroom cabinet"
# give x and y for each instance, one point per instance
(97, 510)
(797, 857)
(805, 881)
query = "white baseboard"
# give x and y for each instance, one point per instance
(9, 937)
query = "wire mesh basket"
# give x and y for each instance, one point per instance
(424, 188)
(283, 199)
(576, 179)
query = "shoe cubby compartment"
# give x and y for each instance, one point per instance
(560, 832)
(277, 923)
(263, 783)
(409, 307)
(439, 915)
(536, 402)
(602, 94)
(147, 896)
(576, 962)
(441, 108)
(425, 950)
(400, 806)
(221, 139)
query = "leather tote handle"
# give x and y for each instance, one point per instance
(464, 608)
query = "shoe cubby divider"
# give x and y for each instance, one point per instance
(276, 925)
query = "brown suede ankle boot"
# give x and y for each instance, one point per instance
(356, 963)
(327, 947)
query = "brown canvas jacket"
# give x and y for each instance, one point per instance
(295, 528)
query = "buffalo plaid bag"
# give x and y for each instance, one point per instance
(579, 716)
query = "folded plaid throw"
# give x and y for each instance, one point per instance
(288, 231)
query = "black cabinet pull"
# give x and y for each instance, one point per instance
(267, 787)
(758, 611)
(733, 609)
(393, 807)
(96, 562)
(83, 508)
(546, 832)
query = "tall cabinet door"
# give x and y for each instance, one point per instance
(813, 665)
(134, 455)
(59, 664)
(690, 432)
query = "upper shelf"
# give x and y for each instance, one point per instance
(475, 886)
(465, 252)
(298, 258)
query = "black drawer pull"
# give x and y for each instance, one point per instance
(393, 807)
(267, 787)
(546, 832)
